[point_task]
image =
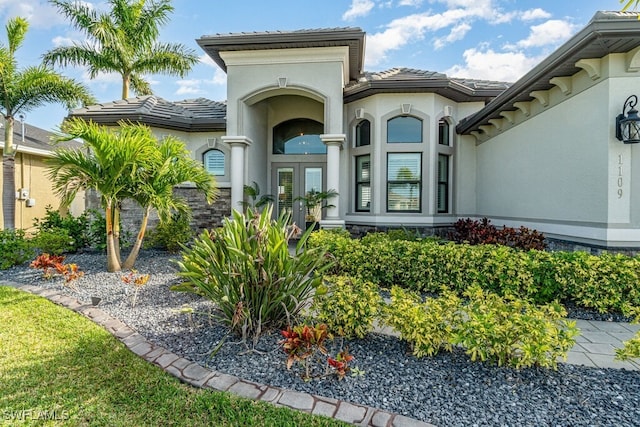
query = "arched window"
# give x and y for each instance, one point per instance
(298, 136)
(404, 129)
(363, 133)
(214, 162)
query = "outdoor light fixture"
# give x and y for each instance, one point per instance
(628, 126)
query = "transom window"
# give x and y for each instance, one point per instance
(213, 161)
(298, 136)
(404, 182)
(363, 133)
(404, 129)
(443, 133)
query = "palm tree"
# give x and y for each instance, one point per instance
(123, 41)
(628, 3)
(110, 165)
(22, 90)
(125, 163)
(172, 166)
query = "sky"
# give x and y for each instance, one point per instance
(482, 39)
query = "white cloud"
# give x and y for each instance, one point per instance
(533, 14)
(189, 87)
(63, 41)
(491, 65)
(457, 33)
(219, 77)
(358, 8)
(40, 14)
(551, 32)
(206, 60)
(410, 2)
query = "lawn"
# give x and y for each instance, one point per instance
(57, 366)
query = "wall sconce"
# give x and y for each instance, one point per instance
(628, 126)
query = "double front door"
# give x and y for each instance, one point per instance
(293, 180)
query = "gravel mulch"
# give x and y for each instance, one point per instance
(446, 390)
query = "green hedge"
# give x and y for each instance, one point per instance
(606, 282)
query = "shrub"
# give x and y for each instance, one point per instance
(349, 307)
(245, 268)
(171, 235)
(605, 283)
(54, 241)
(510, 331)
(97, 231)
(76, 228)
(505, 331)
(482, 232)
(428, 326)
(14, 248)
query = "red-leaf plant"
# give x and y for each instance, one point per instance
(52, 264)
(307, 345)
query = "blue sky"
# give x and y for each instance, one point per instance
(484, 39)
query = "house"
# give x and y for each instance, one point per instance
(419, 149)
(34, 190)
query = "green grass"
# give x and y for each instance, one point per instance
(54, 362)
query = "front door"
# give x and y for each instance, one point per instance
(293, 180)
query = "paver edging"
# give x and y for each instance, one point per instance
(209, 378)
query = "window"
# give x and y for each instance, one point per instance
(443, 133)
(363, 133)
(298, 136)
(404, 129)
(363, 183)
(443, 183)
(404, 182)
(214, 162)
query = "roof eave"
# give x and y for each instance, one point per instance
(600, 27)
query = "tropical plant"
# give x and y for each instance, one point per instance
(125, 163)
(315, 202)
(246, 269)
(253, 198)
(14, 248)
(23, 90)
(172, 166)
(629, 3)
(123, 41)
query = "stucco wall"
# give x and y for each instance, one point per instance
(30, 173)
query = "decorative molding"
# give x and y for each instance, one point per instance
(525, 107)
(406, 108)
(563, 83)
(448, 110)
(211, 142)
(509, 115)
(497, 123)
(542, 96)
(282, 82)
(593, 67)
(476, 134)
(486, 129)
(633, 60)
(359, 113)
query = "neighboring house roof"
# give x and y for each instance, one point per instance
(36, 140)
(193, 115)
(351, 37)
(606, 33)
(407, 80)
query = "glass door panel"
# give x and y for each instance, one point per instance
(285, 191)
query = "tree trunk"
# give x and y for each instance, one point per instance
(112, 261)
(116, 232)
(8, 178)
(126, 82)
(131, 259)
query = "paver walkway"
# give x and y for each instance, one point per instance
(595, 347)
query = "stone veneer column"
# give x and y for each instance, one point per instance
(238, 146)
(334, 145)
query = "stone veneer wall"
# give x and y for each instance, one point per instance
(203, 216)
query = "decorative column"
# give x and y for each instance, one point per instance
(238, 146)
(334, 145)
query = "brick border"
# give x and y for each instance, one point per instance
(198, 376)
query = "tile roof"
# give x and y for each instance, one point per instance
(199, 114)
(412, 80)
(35, 137)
